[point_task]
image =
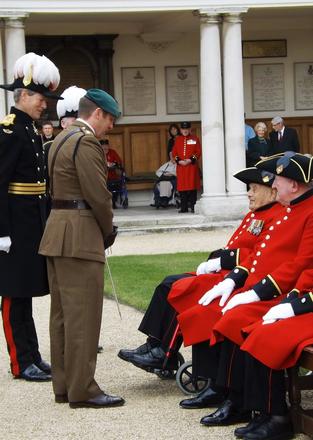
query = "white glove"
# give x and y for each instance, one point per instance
(223, 289)
(209, 266)
(5, 244)
(281, 311)
(241, 298)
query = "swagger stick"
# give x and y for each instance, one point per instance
(113, 286)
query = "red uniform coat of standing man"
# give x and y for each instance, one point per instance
(187, 151)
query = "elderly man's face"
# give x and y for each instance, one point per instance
(278, 127)
(285, 189)
(185, 131)
(260, 195)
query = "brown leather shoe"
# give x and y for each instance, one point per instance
(101, 401)
(61, 398)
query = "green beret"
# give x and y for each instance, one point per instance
(104, 101)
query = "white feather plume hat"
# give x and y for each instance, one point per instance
(68, 106)
(36, 73)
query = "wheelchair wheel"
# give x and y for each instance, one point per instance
(170, 374)
(189, 384)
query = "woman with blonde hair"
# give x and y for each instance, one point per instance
(258, 147)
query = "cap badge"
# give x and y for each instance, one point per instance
(279, 169)
(28, 77)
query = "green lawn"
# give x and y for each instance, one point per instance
(136, 276)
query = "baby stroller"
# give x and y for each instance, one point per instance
(164, 190)
(117, 186)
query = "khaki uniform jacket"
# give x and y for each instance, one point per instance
(78, 233)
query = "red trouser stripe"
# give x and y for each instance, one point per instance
(6, 308)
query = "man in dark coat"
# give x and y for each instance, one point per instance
(283, 138)
(23, 213)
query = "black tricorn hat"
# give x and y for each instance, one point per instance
(185, 124)
(35, 73)
(293, 165)
(253, 175)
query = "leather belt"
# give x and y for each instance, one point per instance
(69, 204)
(27, 189)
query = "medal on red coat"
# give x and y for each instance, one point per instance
(255, 227)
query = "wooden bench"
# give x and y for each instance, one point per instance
(302, 418)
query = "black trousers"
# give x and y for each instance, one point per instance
(20, 333)
(160, 321)
(187, 199)
(205, 360)
(251, 385)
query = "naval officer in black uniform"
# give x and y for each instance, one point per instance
(23, 213)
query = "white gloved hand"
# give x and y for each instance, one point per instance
(223, 289)
(209, 266)
(5, 244)
(241, 298)
(281, 311)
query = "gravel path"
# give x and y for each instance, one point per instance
(28, 411)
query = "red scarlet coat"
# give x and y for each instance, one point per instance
(279, 345)
(277, 260)
(185, 293)
(288, 252)
(187, 147)
(113, 158)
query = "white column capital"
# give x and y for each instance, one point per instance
(208, 16)
(14, 20)
(233, 16)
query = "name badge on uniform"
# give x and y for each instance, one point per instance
(255, 227)
(191, 142)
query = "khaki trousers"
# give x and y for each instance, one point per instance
(76, 288)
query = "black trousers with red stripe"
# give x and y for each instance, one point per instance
(20, 333)
(160, 321)
(251, 384)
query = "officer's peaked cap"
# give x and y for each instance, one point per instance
(103, 100)
(254, 175)
(293, 165)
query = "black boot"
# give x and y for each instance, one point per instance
(273, 428)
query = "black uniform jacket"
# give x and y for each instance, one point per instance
(22, 206)
(289, 141)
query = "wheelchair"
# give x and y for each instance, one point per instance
(185, 379)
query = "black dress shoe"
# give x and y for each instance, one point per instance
(154, 359)
(44, 366)
(182, 211)
(225, 415)
(205, 399)
(273, 428)
(253, 424)
(127, 354)
(34, 374)
(101, 401)
(61, 398)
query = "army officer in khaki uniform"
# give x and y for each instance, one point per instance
(77, 232)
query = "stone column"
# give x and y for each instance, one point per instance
(2, 81)
(233, 103)
(212, 201)
(14, 41)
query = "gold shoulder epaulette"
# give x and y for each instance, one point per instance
(8, 120)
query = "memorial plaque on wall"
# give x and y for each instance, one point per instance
(303, 86)
(138, 84)
(268, 87)
(182, 90)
